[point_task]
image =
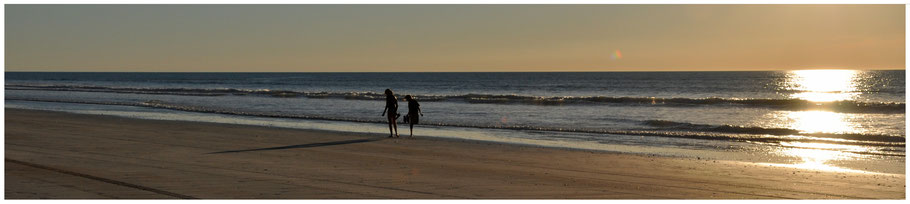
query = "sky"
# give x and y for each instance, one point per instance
(443, 38)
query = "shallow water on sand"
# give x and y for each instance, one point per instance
(815, 159)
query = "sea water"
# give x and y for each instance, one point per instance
(825, 119)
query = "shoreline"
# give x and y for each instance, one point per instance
(615, 143)
(214, 160)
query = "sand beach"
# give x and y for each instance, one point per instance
(60, 155)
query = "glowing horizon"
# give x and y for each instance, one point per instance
(453, 38)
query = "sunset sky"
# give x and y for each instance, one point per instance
(371, 38)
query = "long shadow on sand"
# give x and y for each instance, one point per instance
(321, 144)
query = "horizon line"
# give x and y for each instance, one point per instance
(520, 71)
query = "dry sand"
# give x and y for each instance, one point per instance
(62, 155)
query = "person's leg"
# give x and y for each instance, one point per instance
(394, 124)
(390, 127)
(412, 129)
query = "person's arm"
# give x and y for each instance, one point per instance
(384, 109)
(418, 110)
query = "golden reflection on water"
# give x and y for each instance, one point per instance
(823, 85)
(818, 122)
(820, 86)
(817, 156)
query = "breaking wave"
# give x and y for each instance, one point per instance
(661, 128)
(782, 104)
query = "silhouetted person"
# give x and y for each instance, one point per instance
(391, 105)
(413, 116)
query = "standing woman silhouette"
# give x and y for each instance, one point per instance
(413, 116)
(391, 105)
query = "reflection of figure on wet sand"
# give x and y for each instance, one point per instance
(413, 116)
(391, 105)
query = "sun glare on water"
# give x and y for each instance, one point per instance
(818, 122)
(816, 156)
(820, 86)
(823, 85)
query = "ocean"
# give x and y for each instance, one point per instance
(839, 120)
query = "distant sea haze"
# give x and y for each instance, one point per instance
(712, 111)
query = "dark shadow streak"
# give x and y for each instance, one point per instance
(301, 146)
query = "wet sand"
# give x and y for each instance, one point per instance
(62, 155)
